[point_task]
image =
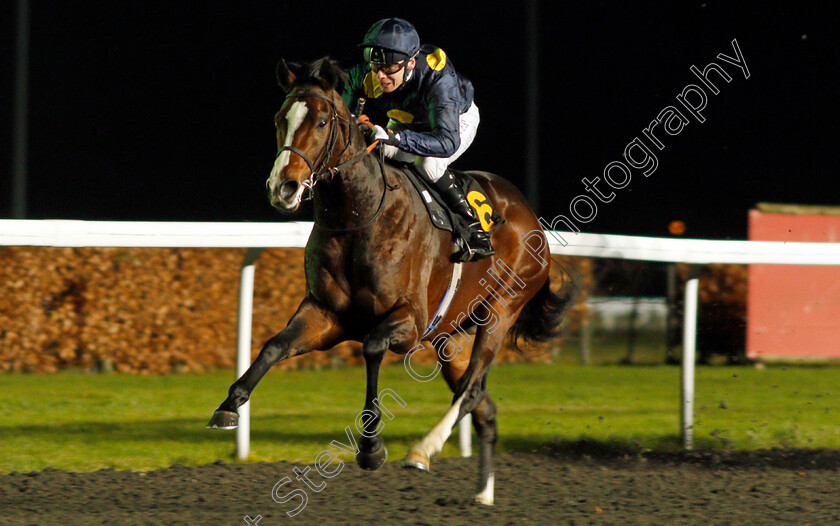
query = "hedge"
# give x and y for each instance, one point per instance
(155, 310)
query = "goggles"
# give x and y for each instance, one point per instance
(388, 69)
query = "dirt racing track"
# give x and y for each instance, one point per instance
(584, 487)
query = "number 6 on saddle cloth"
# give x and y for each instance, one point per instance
(443, 218)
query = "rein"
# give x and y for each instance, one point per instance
(322, 172)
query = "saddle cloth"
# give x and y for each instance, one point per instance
(439, 213)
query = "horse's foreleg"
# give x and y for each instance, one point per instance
(372, 452)
(312, 327)
(397, 331)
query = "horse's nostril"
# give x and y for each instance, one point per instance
(288, 190)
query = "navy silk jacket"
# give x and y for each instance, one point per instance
(425, 108)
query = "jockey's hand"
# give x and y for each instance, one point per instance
(366, 127)
(385, 136)
(364, 124)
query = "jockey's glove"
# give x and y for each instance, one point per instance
(366, 127)
(385, 136)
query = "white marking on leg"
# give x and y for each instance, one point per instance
(433, 442)
(294, 118)
(486, 495)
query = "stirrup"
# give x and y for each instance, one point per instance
(477, 246)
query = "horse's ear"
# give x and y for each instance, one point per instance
(329, 73)
(285, 76)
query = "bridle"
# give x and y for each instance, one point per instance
(319, 170)
(316, 168)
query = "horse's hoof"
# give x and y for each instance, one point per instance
(486, 495)
(372, 461)
(484, 499)
(223, 420)
(416, 460)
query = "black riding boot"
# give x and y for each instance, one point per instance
(478, 245)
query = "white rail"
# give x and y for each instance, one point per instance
(697, 251)
(70, 233)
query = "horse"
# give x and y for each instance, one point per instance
(376, 270)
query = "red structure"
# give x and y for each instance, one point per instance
(793, 311)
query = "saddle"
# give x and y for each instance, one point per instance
(445, 219)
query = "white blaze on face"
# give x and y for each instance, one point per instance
(294, 118)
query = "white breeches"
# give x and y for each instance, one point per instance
(434, 167)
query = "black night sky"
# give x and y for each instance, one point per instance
(160, 110)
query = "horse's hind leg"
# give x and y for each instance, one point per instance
(484, 421)
(312, 327)
(469, 392)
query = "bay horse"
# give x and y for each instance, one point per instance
(376, 270)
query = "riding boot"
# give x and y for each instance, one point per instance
(477, 240)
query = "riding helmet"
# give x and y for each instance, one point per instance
(390, 40)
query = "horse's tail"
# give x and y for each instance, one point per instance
(540, 319)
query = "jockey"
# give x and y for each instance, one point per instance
(432, 116)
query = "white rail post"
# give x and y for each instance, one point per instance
(688, 355)
(465, 435)
(243, 346)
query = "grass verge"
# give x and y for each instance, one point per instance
(82, 422)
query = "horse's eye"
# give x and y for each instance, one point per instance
(322, 123)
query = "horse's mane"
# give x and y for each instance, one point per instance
(324, 72)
